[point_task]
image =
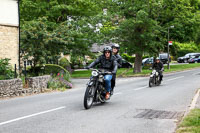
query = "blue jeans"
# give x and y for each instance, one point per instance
(107, 79)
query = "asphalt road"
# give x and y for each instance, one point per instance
(134, 108)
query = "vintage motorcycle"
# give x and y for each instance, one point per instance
(154, 78)
(95, 91)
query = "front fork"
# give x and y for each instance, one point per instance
(93, 82)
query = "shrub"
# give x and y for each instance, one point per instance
(180, 49)
(128, 58)
(60, 77)
(59, 82)
(146, 56)
(6, 71)
(53, 70)
(89, 62)
(34, 71)
(65, 63)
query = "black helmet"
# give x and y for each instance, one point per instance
(115, 45)
(107, 48)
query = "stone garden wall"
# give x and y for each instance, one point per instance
(37, 84)
(14, 87)
(10, 88)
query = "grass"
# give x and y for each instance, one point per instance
(191, 123)
(81, 74)
(125, 72)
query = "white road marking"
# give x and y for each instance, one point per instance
(118, 93)
(148, 86)
(32, 115)
(175, 78)
(140, 88)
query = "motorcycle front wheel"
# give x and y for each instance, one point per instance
(151, 82)
(89, 97)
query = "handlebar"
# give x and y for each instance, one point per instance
(103, 71)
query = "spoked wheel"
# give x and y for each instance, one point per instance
(89, 97)
(150, 82)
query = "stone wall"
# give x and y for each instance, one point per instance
(9, 88)
(14, 87)
(9, 43)
(38, 84)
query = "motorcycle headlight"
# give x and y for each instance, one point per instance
(94, 73)
(154, 71)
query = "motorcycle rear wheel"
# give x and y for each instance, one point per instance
(158, 82)
(89, 97)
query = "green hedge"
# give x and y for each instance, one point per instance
(54, 70)
(64, 62)
(128, 58)
(180, 49)
(50, 69)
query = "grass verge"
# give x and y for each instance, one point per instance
(125, 72)
(191, 123)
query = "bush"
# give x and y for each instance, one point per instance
(180, 49)
(53, 70)
(60, 81)
(34, 71)
(146, 56)
(89, 62)
(6, 71)
(128, 58)
(65, 63)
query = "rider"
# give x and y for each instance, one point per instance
(158, 66)
(115, 51)
(107, 62)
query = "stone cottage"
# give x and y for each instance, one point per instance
(9, 31)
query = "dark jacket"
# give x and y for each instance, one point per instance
(108, 64)
(158, 66)
(119, 60)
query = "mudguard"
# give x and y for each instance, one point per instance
(90, 83)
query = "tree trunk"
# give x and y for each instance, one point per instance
(138, 63)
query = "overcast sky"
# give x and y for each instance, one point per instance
(9, 12)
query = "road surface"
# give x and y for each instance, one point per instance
(134, 108)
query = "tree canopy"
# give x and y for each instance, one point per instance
(49, 27)
(142, 26)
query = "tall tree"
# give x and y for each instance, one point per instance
(59, 26)
(143, 26)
